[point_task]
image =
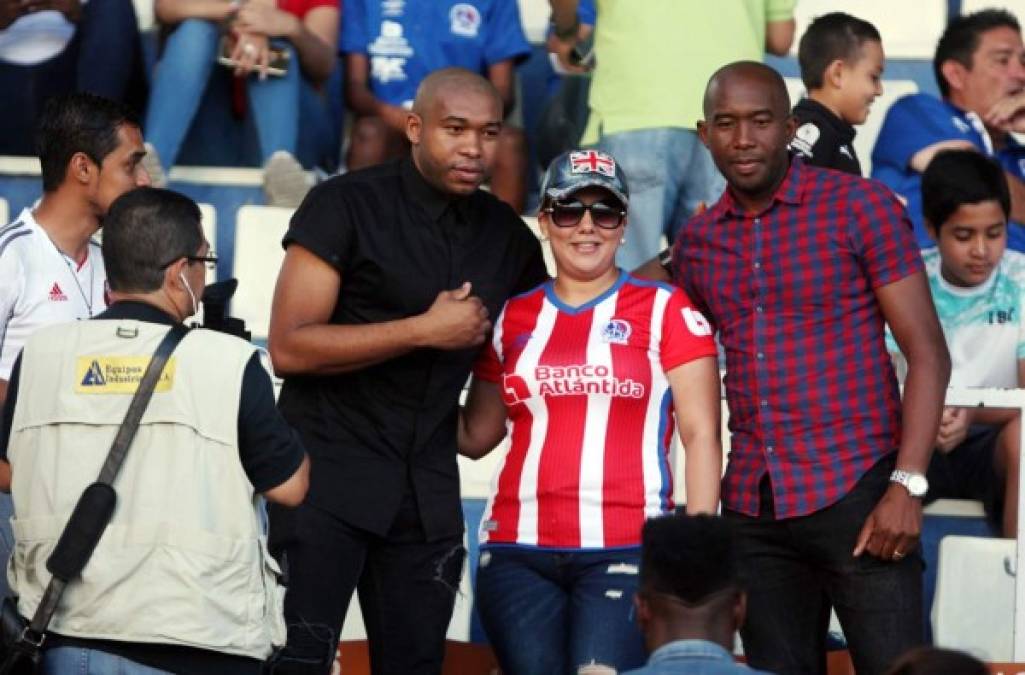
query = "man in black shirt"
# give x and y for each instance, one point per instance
(390, 277)
(201, 452)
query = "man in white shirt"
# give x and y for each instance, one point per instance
(51, 271)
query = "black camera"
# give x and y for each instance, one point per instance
(215, 310)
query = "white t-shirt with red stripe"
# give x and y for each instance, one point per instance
(40, 286)
(590, 413)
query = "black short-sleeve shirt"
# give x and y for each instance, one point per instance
(397, 242)
(823, 139)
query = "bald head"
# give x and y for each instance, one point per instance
(748, 74)
(454, 129)
(451, 82)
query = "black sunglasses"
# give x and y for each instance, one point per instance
(570, 213)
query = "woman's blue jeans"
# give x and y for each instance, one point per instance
(550, 612)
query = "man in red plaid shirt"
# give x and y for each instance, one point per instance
(798, 268)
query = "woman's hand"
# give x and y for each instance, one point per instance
(263, 19)
(251, 53)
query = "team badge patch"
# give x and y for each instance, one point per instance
(616, 332)
(696, 322)
(118, 374)
(592, 161)
(464, 20)
(805, 138)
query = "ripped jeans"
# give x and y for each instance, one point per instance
(407, 588)
(553, 612)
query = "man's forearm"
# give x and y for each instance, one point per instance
(924, 392)
(324, 349)
(1017, 189)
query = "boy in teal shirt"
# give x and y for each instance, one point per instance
(977, 286)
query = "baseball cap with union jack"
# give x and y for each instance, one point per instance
(578, 169)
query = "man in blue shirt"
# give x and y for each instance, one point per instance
(690, 603)
(979, 70)
(390, 46)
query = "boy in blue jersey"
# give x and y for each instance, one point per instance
(977, 286)
(390, 47)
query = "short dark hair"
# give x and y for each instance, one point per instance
(144, 230)
(832, 36)
(961, 38)
(80, 122)
(690, 557)
(957, 177)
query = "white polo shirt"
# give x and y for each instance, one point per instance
(40, 286)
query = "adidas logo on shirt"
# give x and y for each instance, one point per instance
(56, 294)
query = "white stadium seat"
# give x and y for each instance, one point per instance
(258, 256)
(208, 215)
(144, 14)
(909, 30)
(534, 17)
(974, 605)
(867, 132)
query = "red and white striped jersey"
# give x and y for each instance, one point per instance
(590, 413)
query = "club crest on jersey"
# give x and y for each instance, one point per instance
(592, 161)
(464, 20)
(616, 331)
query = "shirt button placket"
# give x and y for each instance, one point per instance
(759, 338)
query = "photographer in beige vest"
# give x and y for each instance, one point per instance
(181, 580)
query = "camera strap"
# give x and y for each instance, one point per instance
(96, 505)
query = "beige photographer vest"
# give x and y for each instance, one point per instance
(184, 560)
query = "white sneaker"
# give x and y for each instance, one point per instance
(151, 162)
(284, 180)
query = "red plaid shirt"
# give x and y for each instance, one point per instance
(812, 395)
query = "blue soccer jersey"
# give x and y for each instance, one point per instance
(406, 40)
(918, 121)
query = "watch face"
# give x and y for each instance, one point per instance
(918, 486)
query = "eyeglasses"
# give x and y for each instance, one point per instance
(569, 214)
(209, 260)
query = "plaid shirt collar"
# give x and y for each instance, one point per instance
(790, 191)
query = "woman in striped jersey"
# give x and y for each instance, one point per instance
(590, 373)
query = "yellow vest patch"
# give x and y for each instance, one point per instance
(117, 374)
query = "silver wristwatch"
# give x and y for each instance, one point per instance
(914, 483)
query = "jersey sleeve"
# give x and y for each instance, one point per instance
(883, 237)
(12, 286)
(911, 124)
(504, 38)
(354, 38)
(324, 224)
(488, 367)
(779, 10)
(269, 449)
(686, 333)
(586, 12)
